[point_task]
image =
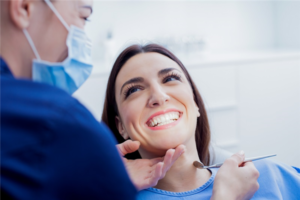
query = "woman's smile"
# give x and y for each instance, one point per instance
(164, 119)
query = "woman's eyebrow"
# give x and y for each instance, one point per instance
(133, 80)
(165, 71)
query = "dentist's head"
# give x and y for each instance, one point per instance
(44, 40)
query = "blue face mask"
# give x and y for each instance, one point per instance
(70, 74)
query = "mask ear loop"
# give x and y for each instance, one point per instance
(57, 14)
(31, 44)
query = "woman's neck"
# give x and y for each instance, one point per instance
(183, 176)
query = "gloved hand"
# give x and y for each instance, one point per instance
(235, 180)
(145, 173)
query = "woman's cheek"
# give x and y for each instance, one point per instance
(130, 113)
(127, 114)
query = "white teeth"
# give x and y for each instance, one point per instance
(158, 120)
(152, 123)
(167, 116)
(163, 119)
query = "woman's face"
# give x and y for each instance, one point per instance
(156, 104)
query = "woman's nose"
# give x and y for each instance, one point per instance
(158, 97)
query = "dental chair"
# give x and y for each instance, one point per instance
(217, 154)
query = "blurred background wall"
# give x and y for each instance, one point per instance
(243, 55)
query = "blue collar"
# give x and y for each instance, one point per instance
(4, 69)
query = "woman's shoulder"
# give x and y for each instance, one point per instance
(277, 180)
(276, 171)
(268, 166)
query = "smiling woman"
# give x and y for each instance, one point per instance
(131, 84)
(152, 99)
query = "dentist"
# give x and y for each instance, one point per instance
(51, 145)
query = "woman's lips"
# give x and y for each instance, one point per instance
(164, 119)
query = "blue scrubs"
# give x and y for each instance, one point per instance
(53, 148)
(277, 181)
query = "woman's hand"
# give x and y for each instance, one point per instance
(145, 173)
(235, 182)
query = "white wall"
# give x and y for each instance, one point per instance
(287, 29)
(224, 25)
(269, 100)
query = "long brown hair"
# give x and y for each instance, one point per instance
(110, 111)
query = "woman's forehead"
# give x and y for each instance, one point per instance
(146, 64)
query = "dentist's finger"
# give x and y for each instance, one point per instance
(127, 147)
(251, 169)
(235, 160)
(154, 161)
(175, 155)
(167, 163)
(156, 176)
(178, 152)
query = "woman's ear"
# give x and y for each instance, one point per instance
(198, 112)
(121, 128)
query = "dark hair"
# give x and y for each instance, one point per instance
(110, 111)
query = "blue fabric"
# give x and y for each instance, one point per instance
(277, 181)
(53, 148)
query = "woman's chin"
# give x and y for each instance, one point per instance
(157, 150)
(164, 146)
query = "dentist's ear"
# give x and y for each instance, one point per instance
(20, 12)
(121, 128)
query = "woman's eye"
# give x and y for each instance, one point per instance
(131, 90)
(86, 19)
(172, 78)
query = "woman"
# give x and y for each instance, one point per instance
(152, 99)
